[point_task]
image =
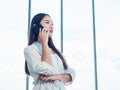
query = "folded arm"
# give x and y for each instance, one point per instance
(61, 77)
(67, 77)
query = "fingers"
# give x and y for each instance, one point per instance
(44, 78)
(43, 31)
(43, 36)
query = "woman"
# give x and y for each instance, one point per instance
(44, 62)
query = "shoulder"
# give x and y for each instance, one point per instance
(33, 47)
(28, 48)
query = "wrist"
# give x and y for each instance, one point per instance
(45, 45)
(59, 77)
(56, 77)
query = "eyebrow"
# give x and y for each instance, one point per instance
(48, 21)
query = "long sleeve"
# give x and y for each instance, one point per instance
(72, 74)
(70, 71)
(35, 65)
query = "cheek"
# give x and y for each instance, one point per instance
(50, 34)
(46, 26)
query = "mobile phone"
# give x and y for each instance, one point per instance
(37, 27)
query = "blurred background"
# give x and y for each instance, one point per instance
(77, 36)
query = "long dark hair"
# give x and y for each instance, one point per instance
(33, 37)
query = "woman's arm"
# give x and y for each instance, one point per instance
(46, 54)
(61, 77)
(43, 39)
(64, 77)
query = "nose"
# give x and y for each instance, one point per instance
(51, 26)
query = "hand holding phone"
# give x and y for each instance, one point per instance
(43, 36)
(36, 28)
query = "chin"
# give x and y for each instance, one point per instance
(50, 35)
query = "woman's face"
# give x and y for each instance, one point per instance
(47, 23)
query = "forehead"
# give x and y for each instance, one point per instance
(47, 18)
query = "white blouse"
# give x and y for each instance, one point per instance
(32, 55)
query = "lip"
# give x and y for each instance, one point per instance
(51, 31)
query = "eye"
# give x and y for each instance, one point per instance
(47, 22)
